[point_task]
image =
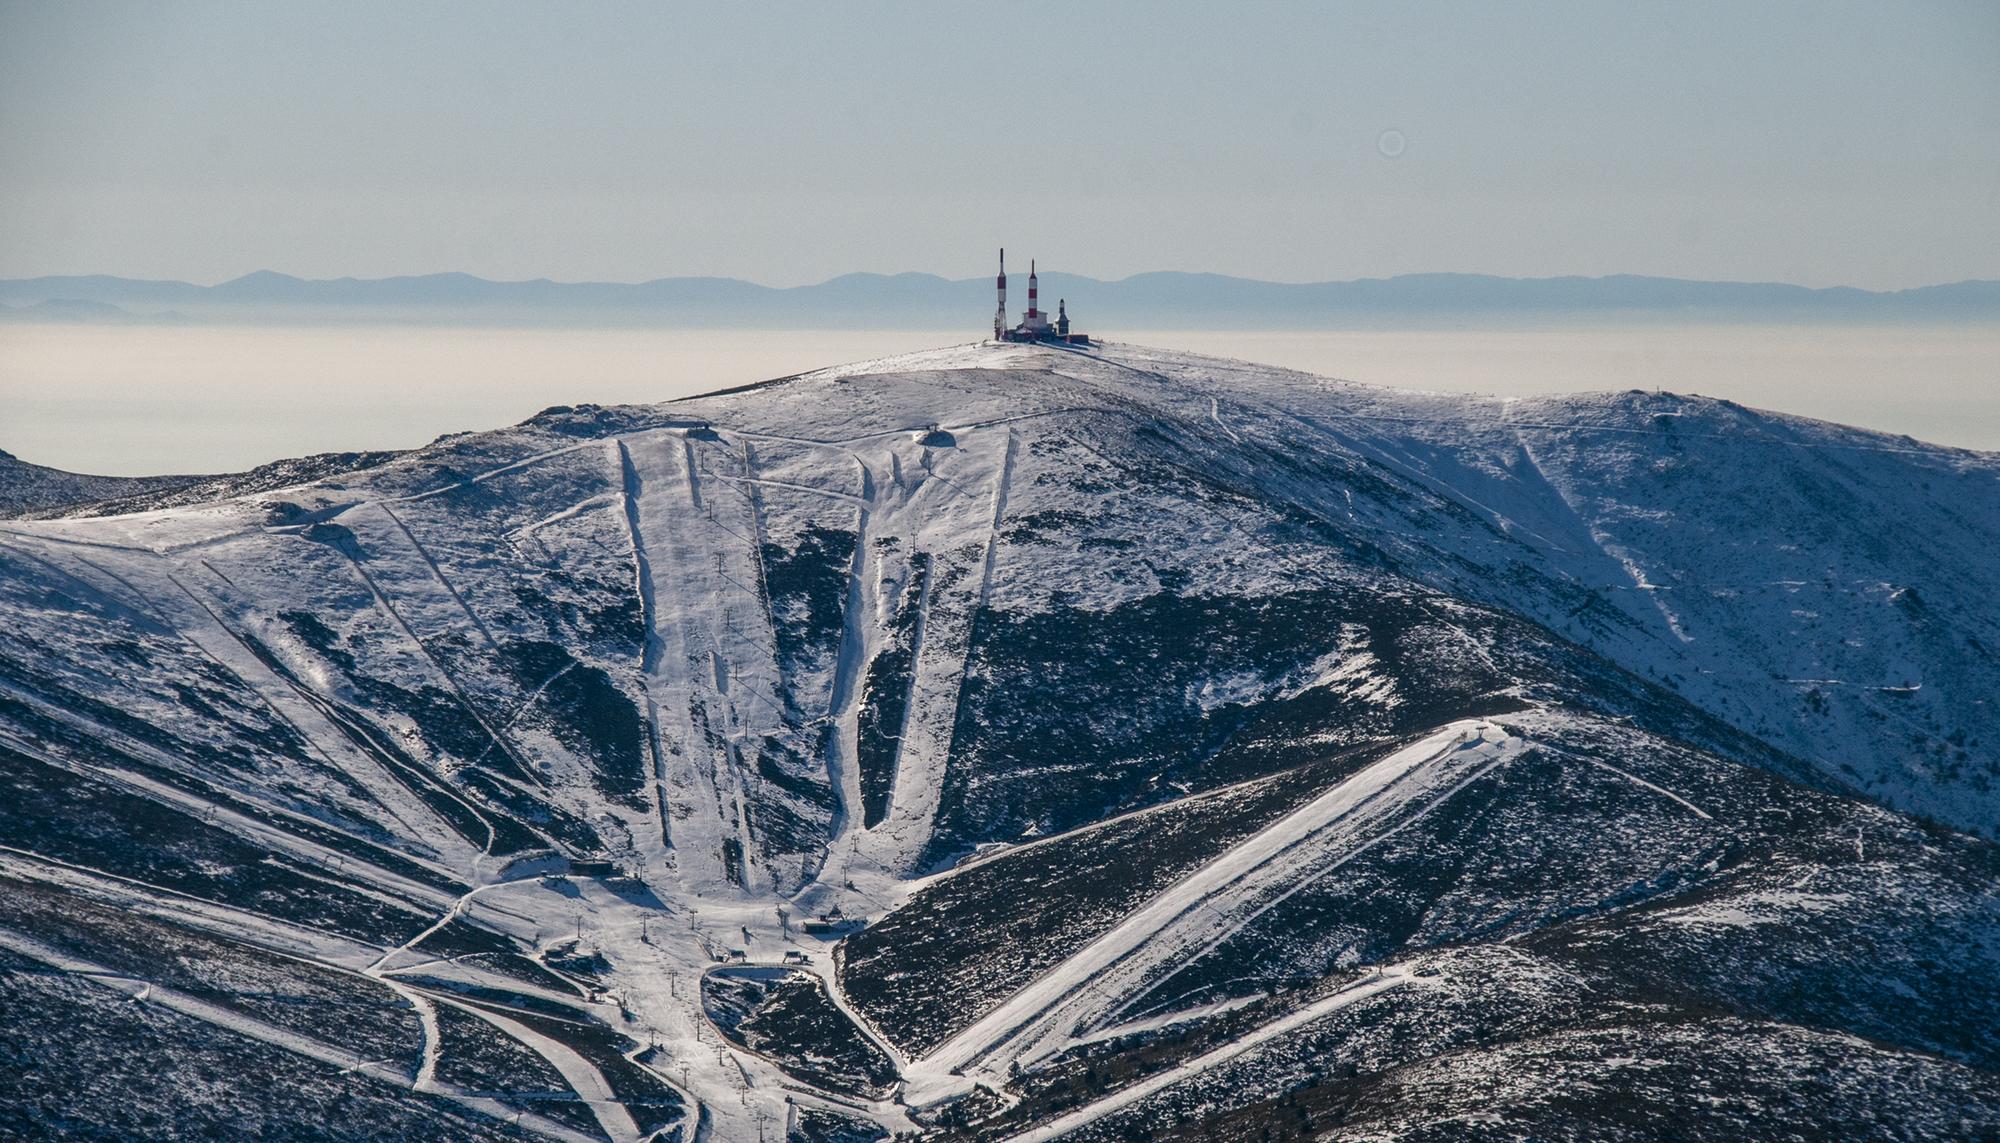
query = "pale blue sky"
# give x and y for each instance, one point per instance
(1815, 143)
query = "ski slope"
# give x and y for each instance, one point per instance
(641, 689)
(1099, 983)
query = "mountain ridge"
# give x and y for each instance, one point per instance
(921, 300)
(1012, 742)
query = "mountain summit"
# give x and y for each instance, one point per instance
(1016, 742)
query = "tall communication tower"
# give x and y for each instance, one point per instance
(1000, 315)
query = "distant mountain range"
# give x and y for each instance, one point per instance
(925, 301)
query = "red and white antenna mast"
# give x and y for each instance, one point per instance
(1034, 305)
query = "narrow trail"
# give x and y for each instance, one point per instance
(1615, 566)
(1215, 414)
(443, 580)
(451, 682)
(415, 777)
(809, 489)
(175, 606)
(532, 698)
(571, 512)
(400, 788)
(583, 1078)
(356, 875)
(1637, 781)
(483, 477)
(1205, 907)
(346, 1062)
(235, 810)
(452, 913)
(330, 733)
(1380, 982)
(311, 723)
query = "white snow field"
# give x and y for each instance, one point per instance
(533, 728)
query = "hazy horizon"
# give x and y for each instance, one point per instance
(1785, 144)
(152, 400)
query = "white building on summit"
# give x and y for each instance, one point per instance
(1035, 324)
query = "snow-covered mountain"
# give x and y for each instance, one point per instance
(34, 491)
(1019, 743)
(26, 487)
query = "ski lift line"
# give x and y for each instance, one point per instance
(1630, 777)
(199, 904)
(1046, 996)
(364, 737)
(147, 603)
(711, 518)
(222, 921)
(830, 493)
(477, 478)
(424, 554)
(379, 882)
(383, 884)
(465, 700)
(140, 601)
(262, 697)
(1207, 1061)
(1314, 876)
(522, 709)
(217, 572)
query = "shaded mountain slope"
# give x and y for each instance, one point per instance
(26, 488)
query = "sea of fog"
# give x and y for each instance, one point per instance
(134, 400)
